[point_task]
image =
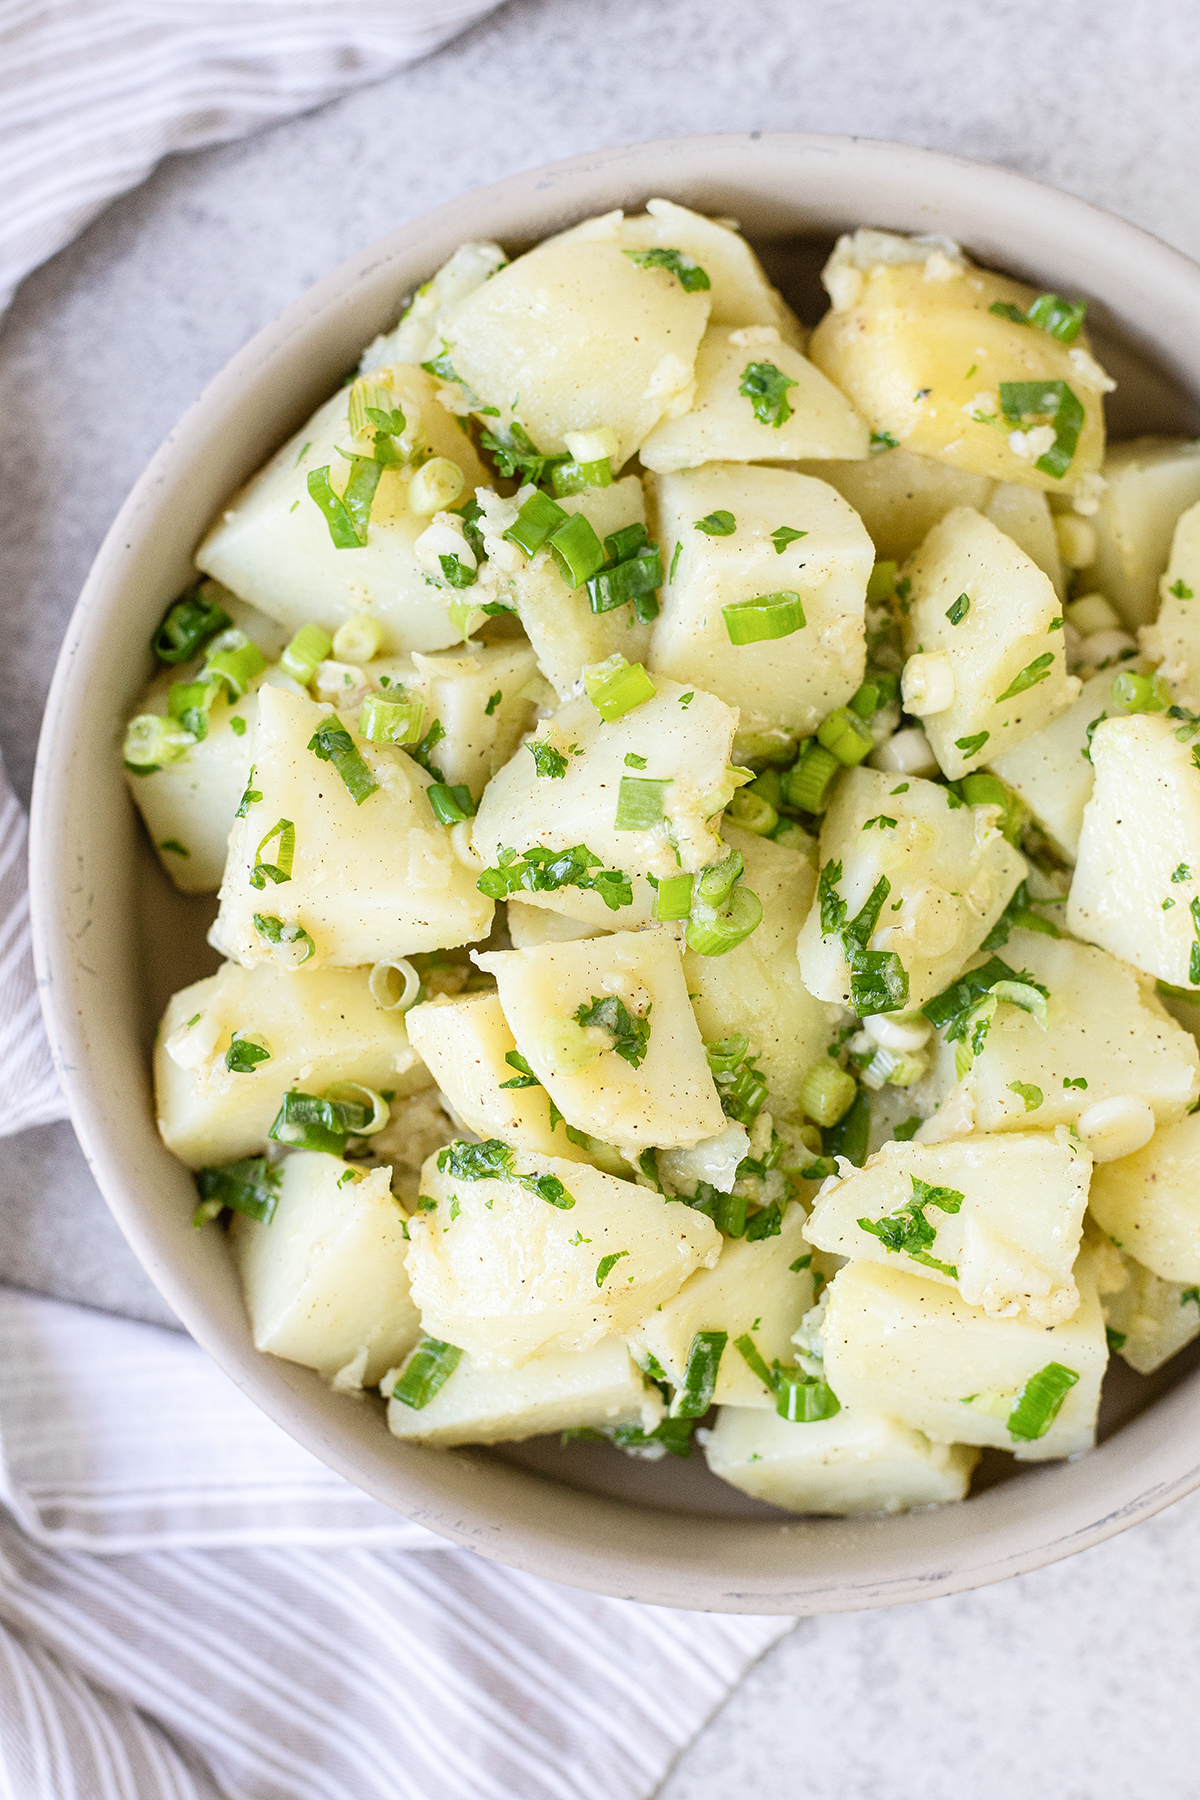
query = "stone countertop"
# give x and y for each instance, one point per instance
(1074, 1681)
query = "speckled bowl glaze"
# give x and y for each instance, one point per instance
(112, 941)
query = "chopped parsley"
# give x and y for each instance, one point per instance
(970, 746)
(244, 1055)
(783, 535)
(630, 1035)
(878, 979)
(1029, 677)
(1028, 400)
(1181, 590)
(541, 871)
(494, 1161)
(716, 524)
(607, 1264)
(1181, 873)
(635, 762)
(881, 441)
(550, 763)
(493, 702)
(907, 1231)
(882, 821)
(686, 270)
(174, 845)
(1060, 319)
(766, 388)
(1074, 1081)
(1028, 1092)
(525, 1077)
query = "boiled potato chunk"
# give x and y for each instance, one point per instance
(683, 736)
(915, 346)
(598, 1387)
(463, 1043)
(562, 628)
(320, 1027)
(740, 292)
(1107, 1035)
(417, 337)
(1050, 773)
(1023, 514)
(754, 1290)
(573, 335)
(1152, 1318)
(856, 1462)
(1137, 873)
(756, 988)
(188, 806)
(949, 876)
(272, 545)
(1175, 636)
(723, 426)
(1150, 482)
(325, 1281)
(1149, 1203)
(1011, 1238)
(980, 601)
(529, 926)
(368, 882)
(667, 1095)
(507, 1275)
(787, 683)
(912, 1349)
(483, 697)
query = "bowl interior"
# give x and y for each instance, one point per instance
(114, 940)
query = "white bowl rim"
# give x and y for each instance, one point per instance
(606, 1545)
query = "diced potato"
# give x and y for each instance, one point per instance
(686, 739)
(1107, 1035)
(856, 1462)
(598, 1387)
(1049, 771)
(723, 426)
(787, 683)
(507, 1275)
(1152, 1318)
(458, 688)
(740, 292)
(756, 988)
(912, 1349)
(668, 1096)
(755, 1290)
(190, 804)
(917, 349)
(1150, 482)
(417, 337)
(529, 926)
(900, 496)
(1007, 636)
(1149, 1203)
(1023, 514)
(325, 1281)
(1011, 1239)
(950, 870)
(320, 1027)
(272, 545)
(463, 1043)
(368, 882)
(1175, 636)
(562, 628)
(574, 335)
(1137, 872)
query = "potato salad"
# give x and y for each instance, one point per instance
(704, 816)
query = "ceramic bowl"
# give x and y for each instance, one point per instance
(112, 940)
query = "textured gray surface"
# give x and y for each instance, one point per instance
(1075, 1681)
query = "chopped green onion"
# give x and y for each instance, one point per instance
(629, 580)
(236, 667)
(372, 1105)
(310, 646)
(804, 1400)
(766, 386)
(845, 735)
(273, 930)
(1028, 1092)
(250, 795)
(187, 627)
(451, 805)
(616, 687)
(630, 1034)
(695, 1394)
(575, 477)
(308, 1122)
(1029, 677)
(357, 639)
(538, 517)
(174, 845)
(851, 1135)
(714, 930)
(1020, 400)
(332, 743)
(768, 616)
(971, 746)
(716, 524)
(391, 719)
(347, 514)
(1059, 318)
(686, 270)
(749, 1352)
(379, 984)
(607, 1264)
(958, 612)
(152, 741)
(1039, 1402)
(750, 812)
(577, 550)
(882, 441)
(907, 1232)
(806, 786)
(281, 869)
(639, 803)
(426, 1371)
(827, 1093)
(674, 897)
(881, 583)
(1139, 693)
(982, 789)
(715, 883)
(190, 702)
(244, 1054)
(878, 691)
(250, 1186)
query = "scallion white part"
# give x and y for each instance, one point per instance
(358, 639)
(927, 683)
(1116, 1127)
(383, 989)
(436, 485)
(358, 1095)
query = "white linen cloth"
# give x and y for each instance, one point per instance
(191, 1606)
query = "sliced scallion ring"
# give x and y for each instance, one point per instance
(380, 985)
(770, 616)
